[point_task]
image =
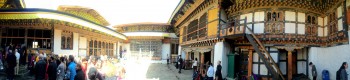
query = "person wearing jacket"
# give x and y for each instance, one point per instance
(40, 69)
(71, 67)
(11, 64)
(61, 69)
(52, 70)
(80, 74)
(343, 74)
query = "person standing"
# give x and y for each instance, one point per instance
(313, 71)
(61, 69)
(180, 62)
(40, 69)
(341, 73)
(11, 64)
(80, 74)
(218, 75)
(71, 67)
(18, 56)
(52, 70)
(167, 59)
(194, 65)
(210, 72)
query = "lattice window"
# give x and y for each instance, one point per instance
(202, 25)
(192, 30)
(332, 22)
(274, 23)
(67, 40)
(311, 25)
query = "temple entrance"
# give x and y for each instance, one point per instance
(241, 61)
(207, 57)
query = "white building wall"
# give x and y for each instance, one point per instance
(221, 49)
(165, 50)
(82, 46)
(57, 44)
(329, 58)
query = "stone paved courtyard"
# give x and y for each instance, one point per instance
(155, 71)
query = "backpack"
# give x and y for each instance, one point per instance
(338, 75)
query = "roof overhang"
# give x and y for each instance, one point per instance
(56, 15)
(178, 7)
(160, 34)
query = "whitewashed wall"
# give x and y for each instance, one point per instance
(165, 51)
(301, 65)
(82, 46)
(57, 44)
(290, 16)
(221, 49)
(301, 27)
(347, 3)
(329, 58)
(290, 28)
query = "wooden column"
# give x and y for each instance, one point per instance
(250, 63)
(187, 55)
(290, 63)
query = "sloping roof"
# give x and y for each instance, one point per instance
(141, 23)
(87, 13)
(178, 7)
(29, 13)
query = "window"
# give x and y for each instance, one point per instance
(274, 21)
(332, 22)
(311, 25)
(35, 44)
(67, 40)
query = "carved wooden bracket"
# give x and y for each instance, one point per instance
(289, 47)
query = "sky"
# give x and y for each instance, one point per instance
(118, 12)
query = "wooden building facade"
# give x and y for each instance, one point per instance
(70, 30)
(268, 38)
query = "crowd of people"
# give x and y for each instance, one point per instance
(53, 67)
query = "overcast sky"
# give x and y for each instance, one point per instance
(118, 11)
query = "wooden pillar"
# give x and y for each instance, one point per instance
(250, 63)
(290, 63)
(187, 55)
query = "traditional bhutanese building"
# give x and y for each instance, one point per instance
(69, 30)
(269, 38)
(156, 41)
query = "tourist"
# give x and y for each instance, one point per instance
(18, 56)
(52, 70)
(92, 71)
(313, 71)
(11, 64)
(180, 62)
(40, 69)
(84, 64)
(210, 72)
(167, 59)
(61, 69)
(80, 74)
(218, 75)
(194, 65)
(71, 67)
(341, 73)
